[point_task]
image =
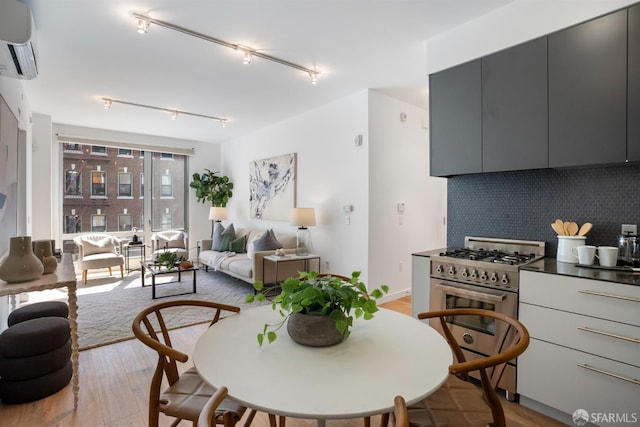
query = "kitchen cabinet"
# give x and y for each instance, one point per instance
(514, 108)
(633, 107)
(585, 344)
(588, 92)
(455, 120)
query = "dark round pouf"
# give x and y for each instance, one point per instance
(38, 309)
(36, 388)
(35, 336)
(26, 368)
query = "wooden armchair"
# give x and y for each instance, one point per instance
(188, 393)
(97, 250)
(456, 403)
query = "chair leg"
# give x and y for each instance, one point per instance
(367, 421)
(250, 416)
(384, 421)
(121, 272)
(84, 276)
(274, 423)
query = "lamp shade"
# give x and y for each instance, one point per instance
(218, 213)
(303, 217)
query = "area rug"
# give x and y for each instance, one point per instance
(107, 304)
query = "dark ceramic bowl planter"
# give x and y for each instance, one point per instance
(314, 330)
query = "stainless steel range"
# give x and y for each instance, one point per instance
(483, 274)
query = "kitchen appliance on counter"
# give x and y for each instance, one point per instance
(483, 274)
(629, 250)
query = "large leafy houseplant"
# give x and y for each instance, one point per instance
(312, 293)
(210, 187)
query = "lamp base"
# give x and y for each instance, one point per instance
(302, 241)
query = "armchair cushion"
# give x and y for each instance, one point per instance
(170, 239)
(101, 246)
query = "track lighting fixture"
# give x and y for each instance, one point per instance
(249, 53)
(174, 113)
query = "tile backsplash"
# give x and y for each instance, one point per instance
(523, 204)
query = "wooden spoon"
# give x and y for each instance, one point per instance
(558, 229)
(586, 227)
(572, 228)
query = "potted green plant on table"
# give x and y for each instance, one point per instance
(167, 259)
(320, 309)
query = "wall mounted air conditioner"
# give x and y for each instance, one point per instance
(17, 41)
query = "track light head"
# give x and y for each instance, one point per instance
(106, 103)
(247, 57)
(314, 77)
(174, 115)
(223, 123)
(143, 26)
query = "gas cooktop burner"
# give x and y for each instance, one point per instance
(495, 256)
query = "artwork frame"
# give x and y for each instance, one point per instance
(272, 187)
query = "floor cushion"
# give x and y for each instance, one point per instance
(36, 388)
(35, 336)
(38, 309)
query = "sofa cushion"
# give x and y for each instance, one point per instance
(101, 246)
(267, 242)
(238, 245)
(240, 265)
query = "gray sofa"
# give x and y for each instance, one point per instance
(249, 266)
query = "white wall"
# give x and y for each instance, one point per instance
(515, 23)
(331, 172)
(399, 173)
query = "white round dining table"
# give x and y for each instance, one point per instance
(391, 354)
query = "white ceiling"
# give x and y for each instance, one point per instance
(90, 49)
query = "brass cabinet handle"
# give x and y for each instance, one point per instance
(610, 374)
(604, 294)
(609, 334)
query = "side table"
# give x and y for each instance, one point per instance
(303, 260)
(127, 248)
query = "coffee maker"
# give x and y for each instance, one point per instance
(629, 249)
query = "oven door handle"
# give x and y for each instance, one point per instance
(487, 296)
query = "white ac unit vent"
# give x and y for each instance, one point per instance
(18, 54)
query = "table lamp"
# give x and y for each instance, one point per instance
(303, 218)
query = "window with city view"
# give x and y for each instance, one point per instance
(103, 187)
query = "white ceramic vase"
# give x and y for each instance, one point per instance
(21, 265)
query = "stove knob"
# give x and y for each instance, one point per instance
(504, 279)
(474, 274)
(494, 277)
(452, 271)
(438, 268)
(483, 275)
(464, 273)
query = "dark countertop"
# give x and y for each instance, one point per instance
(428, 253)
(552, 266)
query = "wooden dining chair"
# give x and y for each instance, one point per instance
(208, 414)
(457, 402)
(400, 412)
(187, 393)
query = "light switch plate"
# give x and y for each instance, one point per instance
(629, 229)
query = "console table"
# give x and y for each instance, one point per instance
(63, 277)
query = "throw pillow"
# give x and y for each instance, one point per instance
(250, 245)
(267, 242)
(217, 237)
(224, 245)
(237, 245)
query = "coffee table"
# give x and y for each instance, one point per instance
(157, 270)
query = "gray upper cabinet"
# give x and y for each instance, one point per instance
(588, 92)
(633, 112)
(455, 120)
(514, 108)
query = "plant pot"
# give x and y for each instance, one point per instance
(21, 265)
(313, 330)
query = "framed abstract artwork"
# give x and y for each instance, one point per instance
(272, 188)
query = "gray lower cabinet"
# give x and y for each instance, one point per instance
(588, 92)
(633, 112)
(455, 120)
(514, 108)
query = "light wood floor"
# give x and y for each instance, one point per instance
(114, 385)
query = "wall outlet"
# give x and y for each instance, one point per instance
(629, 229)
